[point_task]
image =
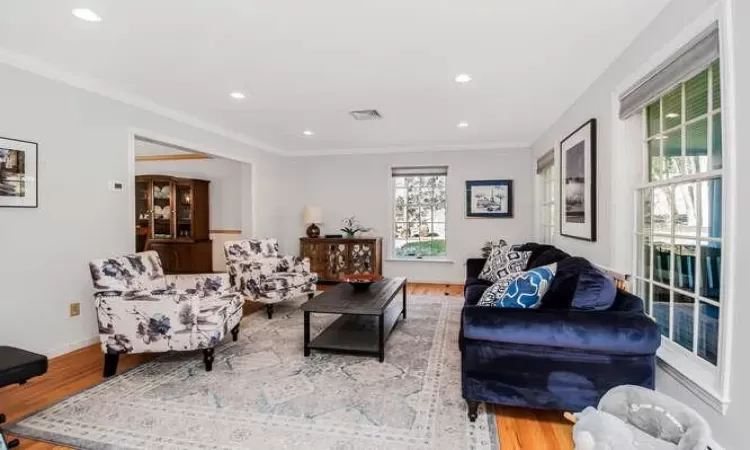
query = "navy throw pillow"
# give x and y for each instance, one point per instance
(595, 290)
(560, 294)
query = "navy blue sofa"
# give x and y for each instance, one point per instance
(553, 357)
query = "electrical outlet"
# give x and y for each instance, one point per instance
(75, 309)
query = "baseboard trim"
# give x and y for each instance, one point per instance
(71, 347)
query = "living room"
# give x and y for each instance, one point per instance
(490, 113)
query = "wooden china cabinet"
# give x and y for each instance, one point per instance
(171, 217)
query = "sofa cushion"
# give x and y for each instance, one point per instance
(285, 280)
(595, 290)
(503, 262)
(522, 290)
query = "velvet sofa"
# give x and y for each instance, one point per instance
(556, 356)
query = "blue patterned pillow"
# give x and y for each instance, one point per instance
(520, 290)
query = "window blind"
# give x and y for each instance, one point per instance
(545, 161)
(419, 171)
(687, 62)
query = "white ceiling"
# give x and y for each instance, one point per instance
(303, 64)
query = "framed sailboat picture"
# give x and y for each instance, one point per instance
(578, 183)
(489, 199)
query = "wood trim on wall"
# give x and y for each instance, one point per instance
(171, 157)
(225, 232)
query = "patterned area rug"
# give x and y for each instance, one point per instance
(264, 394)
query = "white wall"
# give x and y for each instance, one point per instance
(615, 201)
(616, 174)
(225, 196)
(359, 185)
(83, 144)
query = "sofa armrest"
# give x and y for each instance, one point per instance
(474, 267)
(600, 331)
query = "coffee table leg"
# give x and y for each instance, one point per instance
(381, 326)
(307, 333)
(404, 292)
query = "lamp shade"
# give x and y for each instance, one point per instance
(313, 214)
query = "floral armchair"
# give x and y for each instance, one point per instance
(256, 268)
(140, 310)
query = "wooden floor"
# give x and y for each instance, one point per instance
(519, 428)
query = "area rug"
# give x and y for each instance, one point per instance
(264, 394)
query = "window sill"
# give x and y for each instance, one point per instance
(699, 378)
(432, 260)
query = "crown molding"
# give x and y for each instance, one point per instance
(415, 149)
(37, 67)
(170, 157)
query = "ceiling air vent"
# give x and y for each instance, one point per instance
(366, 114)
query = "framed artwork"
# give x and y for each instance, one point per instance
(489, 198)
(578, 183)
(18, 173)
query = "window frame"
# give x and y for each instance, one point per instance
(686, 365)
(391, 241)
(548, 184)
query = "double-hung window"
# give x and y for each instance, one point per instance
(679, 220)
(419, 212)
(545, 170)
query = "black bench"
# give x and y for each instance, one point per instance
(17, 367)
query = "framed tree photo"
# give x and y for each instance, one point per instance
(489, 198)
(18, 173)
(578, 183)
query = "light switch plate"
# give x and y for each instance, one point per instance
(116, 186)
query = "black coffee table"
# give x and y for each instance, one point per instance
(367, 317)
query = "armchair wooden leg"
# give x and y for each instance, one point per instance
(269, 310)
(236, 332)
(110, 364)
(473, 410)
(208, 358)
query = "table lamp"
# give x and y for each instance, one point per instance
(313, 216)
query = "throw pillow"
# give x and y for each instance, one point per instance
(521, 290)
(595, 290)
(503, 262)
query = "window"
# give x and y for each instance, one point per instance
(547, 213)
(679, 231)
(419, 212)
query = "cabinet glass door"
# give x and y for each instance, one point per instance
(142, 214)
(163, 210)
(184, 203)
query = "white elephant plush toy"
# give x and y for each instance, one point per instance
(632, 417)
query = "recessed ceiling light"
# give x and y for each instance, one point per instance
(237, 95)
(672, 116)
(308, 132)
(463, 78)
(87, 15)
(462, 124)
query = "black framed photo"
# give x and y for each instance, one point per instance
(18, 173)
(489, 199)
(578, 183)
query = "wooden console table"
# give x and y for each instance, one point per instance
(332, 258)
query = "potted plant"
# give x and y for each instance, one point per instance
(352, 227)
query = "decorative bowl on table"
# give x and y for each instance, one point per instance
(361, 281)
